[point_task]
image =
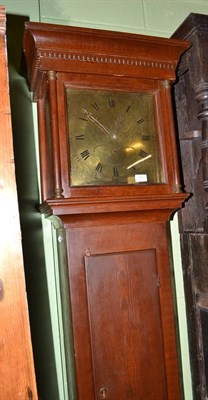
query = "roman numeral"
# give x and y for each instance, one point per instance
(85, 154)
(128, 108)
(79, 137)
(145, 137)
(112, 103)
(140, 121)
(83, 119)
(99, 167)
(96, 107)
(115, 171)
(143, 153)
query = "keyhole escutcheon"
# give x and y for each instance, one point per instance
(103, 393)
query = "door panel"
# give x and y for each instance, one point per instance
(124, 312)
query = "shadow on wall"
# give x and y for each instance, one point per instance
(31, 226)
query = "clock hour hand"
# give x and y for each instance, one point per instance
(96, 122)
(139, 161)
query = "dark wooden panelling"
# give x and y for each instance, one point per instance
(191, 94)
(204, 325)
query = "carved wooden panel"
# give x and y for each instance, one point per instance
(191, 98)
(195, 255)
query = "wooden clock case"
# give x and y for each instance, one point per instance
(121, 309)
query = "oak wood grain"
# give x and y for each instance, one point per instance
(109, 227)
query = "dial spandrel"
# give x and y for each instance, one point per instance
(113, 138)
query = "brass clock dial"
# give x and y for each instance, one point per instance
(113, 138)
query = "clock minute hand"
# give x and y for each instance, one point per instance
(96, 122)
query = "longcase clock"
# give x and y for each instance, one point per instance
(109, 173)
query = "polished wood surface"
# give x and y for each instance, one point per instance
(17, 376)
(132, 314)
(128, 317)
(121, 300)
(52, 47)
(59, 57)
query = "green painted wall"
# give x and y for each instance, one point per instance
(152, 17)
